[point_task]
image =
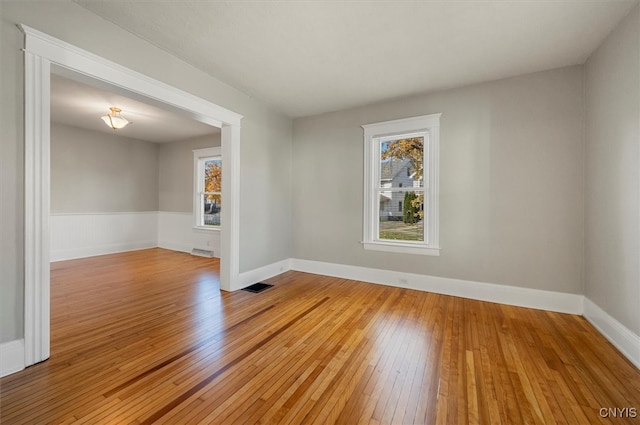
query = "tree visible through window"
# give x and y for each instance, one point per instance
(212, 202)
(401, 185)
(207, 203)
(402, 162)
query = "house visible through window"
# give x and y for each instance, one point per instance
(401, 185)
(207, 188)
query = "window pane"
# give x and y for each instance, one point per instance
(213, 175)
(212, 207)
(401, 162)
(401, 216)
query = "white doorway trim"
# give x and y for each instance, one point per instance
(44, 55)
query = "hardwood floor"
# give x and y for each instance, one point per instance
(147, 337)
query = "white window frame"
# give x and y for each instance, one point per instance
(427, 126)
(200, 156)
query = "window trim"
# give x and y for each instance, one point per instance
(198, 156)
(429, 124)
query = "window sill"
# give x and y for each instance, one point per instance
(401, 248)
(207, 228)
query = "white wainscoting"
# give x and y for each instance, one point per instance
(176, 232)
(88, 234)
(619, 335)
(11, 357)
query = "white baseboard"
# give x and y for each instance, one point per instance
(11, 357)
(503, 294)
(256, 275)
(174, 246)
(71, 254)
(619, 335)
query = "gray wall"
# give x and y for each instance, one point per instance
(176, 172)
(135, 175)
(265, 188)
(612, 205)
(11, 182)
(265, 235)
(99, 172)
(511, 183)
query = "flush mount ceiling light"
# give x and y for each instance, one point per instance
(114, 120)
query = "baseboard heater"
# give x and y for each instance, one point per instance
(202, 253)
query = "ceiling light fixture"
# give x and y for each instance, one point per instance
(114, 120)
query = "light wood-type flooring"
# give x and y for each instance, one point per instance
(147, 337)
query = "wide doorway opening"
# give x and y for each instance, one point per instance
(46, 56)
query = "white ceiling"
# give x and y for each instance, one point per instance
(81, 105)
(310, 57)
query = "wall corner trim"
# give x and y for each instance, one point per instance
(11, 357)
(625, 340)
(511, 295)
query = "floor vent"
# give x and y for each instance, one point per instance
(257, 287)
(202, 253)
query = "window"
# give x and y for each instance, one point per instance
(401, 168)
(207, 200)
